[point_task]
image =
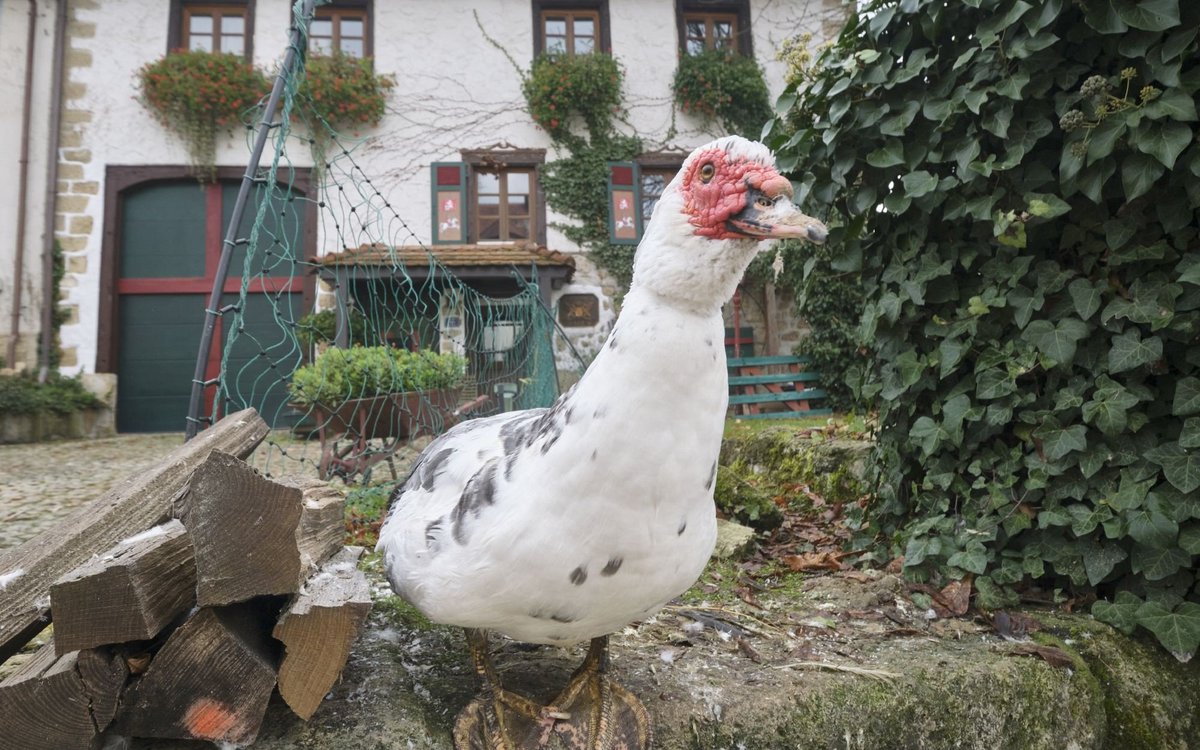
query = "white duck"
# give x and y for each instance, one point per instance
(565, 524)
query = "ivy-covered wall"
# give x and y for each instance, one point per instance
(1017, 184)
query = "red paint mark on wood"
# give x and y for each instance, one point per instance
(208, 719)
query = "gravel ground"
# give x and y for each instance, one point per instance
(41, 483)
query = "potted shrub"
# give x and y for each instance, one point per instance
(560, 87)
(378, 391)
(726, 87)
(196, 94)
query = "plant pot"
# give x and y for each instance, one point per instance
(393, 415)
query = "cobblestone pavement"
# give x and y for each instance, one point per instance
(41, 483)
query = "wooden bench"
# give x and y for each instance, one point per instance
(756, 382)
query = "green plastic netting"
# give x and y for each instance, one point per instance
(353, 356)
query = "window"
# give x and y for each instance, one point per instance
(491, 195)
(339, 29)
(570, 27)
(654, 181)
(709, 31)
(571, 32)
(706, 25)
(215, 28)
(504, 204)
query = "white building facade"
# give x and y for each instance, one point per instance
(458, 68)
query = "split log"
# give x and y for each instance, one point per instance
(129, 594)
(318, 628)
(253, 536)
(139, 502)
(60, 703)
(211, 680)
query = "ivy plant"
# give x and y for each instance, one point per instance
(1020, 185)
(564, 92)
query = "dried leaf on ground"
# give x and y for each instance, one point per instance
(810, 561)
(1055, 657)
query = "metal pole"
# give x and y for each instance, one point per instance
(239, 208)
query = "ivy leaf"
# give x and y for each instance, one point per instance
(1149, 15)
(974, 559)
(1025, 303)
(1157, 563)
(1189, 436)
(1187, 397)
(919, 183)
(1056, 341)
(1121, 613)
(1059, 441)
(1129, 350)
(1086, 297)
(1178, 630)
(1138, 173)
(1131, 493)
(1100, 559)
(1165, 142)
(1047, 205)
(1173, 103)
(919, 548)
(1108, 407)
(1189, 539)
(1151, 528)
(927, 434)
(994, 383)
(1181, 467)
(888, 155)
(1085, 518)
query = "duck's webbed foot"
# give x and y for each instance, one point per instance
(595, 713)
(591, 713)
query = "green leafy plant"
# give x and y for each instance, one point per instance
(338, 375)
(321, 328)
(345, 91)
(197, 94)
(560, 88)
(563, 92)
(724, 86)
(1032, 288)
(23, 394)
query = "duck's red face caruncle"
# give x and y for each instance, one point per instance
(730, 198)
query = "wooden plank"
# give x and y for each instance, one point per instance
(134, 505)
(809, 394)
(318, 628)
(783, 377)
(211, 680)
(60, 703)
(781, 359)
(253, 536)
(128, 594)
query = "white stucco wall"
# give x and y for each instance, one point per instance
(15, 18)
(456, 90)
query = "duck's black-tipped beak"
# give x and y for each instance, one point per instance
(775, 217)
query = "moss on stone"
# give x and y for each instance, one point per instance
(832, 468)
(1150, 700)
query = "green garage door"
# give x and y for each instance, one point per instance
(169, 245)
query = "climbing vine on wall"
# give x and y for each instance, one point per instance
(577, 100)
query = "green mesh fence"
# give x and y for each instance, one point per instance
(358, 351)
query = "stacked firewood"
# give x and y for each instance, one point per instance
(180, 601)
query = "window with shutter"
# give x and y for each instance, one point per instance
(448, 182)
(624, 203)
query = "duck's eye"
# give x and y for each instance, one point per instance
(707, 172)
(764, 202)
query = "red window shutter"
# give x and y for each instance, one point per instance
(624, 203)
(448, 185)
